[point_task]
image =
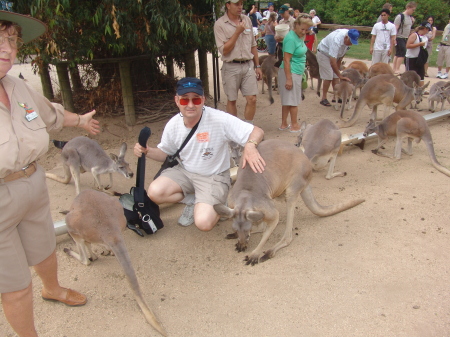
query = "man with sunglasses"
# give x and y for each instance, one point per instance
(241, 69)
(203, 172)
(383, 39)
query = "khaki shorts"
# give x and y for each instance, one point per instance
(380, 56)
(239, 76)
(27, 235)
(443, 56)
(209, 190)
(325, 70)
(291, 97)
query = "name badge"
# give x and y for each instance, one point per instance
(30, 114)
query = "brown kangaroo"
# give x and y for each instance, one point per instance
(380, 69)
(95, 217)
(360, 66)
(344, 91)
(313, 70)
(83, 154)
(253, 194)
(382, 89)
(269, 72)
(404, 124)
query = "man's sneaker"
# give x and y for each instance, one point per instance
(187, 217)
(439, 74)
(444, 76)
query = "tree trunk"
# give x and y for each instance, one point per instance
(189, 64)
(76, 78)
(127, 93)
(169, 66)
(203, 66)
(64, 83)
(46, 81)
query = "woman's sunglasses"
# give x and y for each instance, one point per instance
(195, 100)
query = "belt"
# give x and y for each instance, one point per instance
(240, 61)
(323, 53)
(26, 171)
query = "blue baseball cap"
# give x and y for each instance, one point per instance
(353, 34)
(189, 84)
(283, 9)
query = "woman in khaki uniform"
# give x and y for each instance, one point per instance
(27, 236)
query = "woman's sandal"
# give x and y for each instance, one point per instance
(325, 102)
(73, 298)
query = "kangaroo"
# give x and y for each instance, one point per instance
(95, 217)
(321, 143)
(409, 78)
(380, 69)
(360, 66)
(313, 69)
(404, 124)
(253, 194)
(83, 154)
(269, 72)
(439, 92)
(355, 79)
(344, 91)
(382, 89)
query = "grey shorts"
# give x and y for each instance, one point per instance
(27, 235)
(325, 70)
(291, 97)
(443, 56)
(239, 76)
(209, 190)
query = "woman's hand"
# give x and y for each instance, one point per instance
(289, 84)
(88, 123)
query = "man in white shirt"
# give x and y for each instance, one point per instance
(204, 163)
(383, 39)
(330, 52)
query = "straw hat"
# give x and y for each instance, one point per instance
(31, 28)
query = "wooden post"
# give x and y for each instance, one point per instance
(127, 93)
(203, 66)
(46, 81)
(169, 66)
(189, 64)
(64, 83)
(76, 78)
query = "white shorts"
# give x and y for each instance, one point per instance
(325, 70)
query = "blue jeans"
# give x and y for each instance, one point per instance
(271, 43)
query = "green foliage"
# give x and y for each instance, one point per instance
(366, 12)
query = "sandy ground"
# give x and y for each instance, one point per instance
(379, 269)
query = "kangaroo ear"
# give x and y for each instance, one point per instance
(223, 210)
(426, 85)
(113, 157)
(254, 215)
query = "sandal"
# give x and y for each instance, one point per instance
(286, 128)
(73, 298)
(325, 102)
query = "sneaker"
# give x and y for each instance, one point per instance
(187, 217)
(444, 76)
(439, 74)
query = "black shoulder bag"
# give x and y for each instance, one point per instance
(138, 208)
(423, 55)
(171, 160)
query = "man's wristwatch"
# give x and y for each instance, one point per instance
(251, 141)
(258, 67)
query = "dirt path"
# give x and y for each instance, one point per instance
(379, 269)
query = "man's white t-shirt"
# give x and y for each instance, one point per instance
(383, 33)
(207, 152)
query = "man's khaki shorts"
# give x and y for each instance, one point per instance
(443, 56)
(210, 190)
(27, 235)
(239, 76)
(325, 70)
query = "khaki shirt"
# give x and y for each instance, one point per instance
(224, 29)
(21, 141)
(289, 22)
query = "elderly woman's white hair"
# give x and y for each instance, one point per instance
(312, 11)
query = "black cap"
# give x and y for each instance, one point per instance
(189, 84)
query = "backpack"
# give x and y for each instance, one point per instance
(423, 55)
(402, 20)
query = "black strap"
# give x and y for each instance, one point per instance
(188, 137)
(140, 174)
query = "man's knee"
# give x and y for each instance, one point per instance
(251, 100)
(205, 220)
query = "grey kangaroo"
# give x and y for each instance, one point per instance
(404, 124)
(83, 154)
(269, 72)
(321, 143)
(95, 217)
(387, 90)
(253, 193)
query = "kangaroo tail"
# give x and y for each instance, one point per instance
(269, 88)
(358, 107)
(65, 179)
(431, 153)
(122, 256)
(319, 84)
(312, 204)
